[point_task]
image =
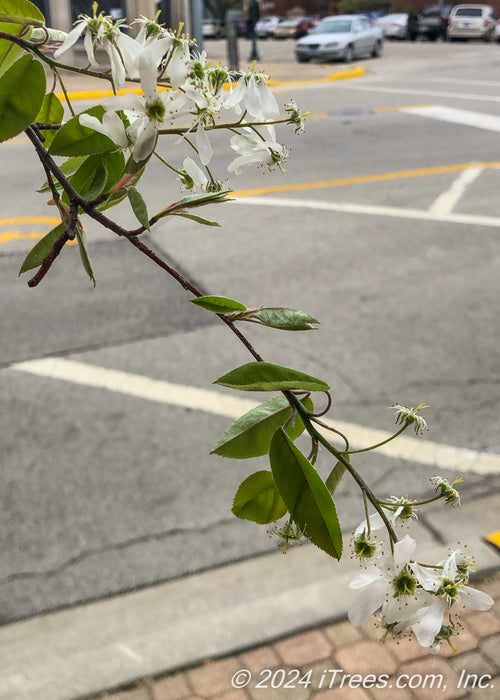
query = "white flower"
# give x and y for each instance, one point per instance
(111, 126)
(147, 112)
(132, 50)
(92, 27)
(256, 145)
(401, 510)
(257, 98)
(390, 577)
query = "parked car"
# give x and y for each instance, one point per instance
(305, 24)
(211, 29)
(394, 26)
(433, 22)
(342, 37)
(472, 22)
(496, 33)
(266, 26)
(286, 29)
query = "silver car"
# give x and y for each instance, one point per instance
(343, 37)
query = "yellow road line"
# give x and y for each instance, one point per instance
(493, 538)
(357, 72)
(30, 220)
(22, 236)
(380, 177)
(18, 235)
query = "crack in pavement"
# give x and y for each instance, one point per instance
(77, 558)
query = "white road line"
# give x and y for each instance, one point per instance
(465, 81)
(447, 201)
(372, 210)
(414, 91)
(489, 122)
(440, 456)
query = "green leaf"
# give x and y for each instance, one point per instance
(219, 305)
(257, 499)
(262, 376)
(250, 435)
(192, 201)
(51, 112)
(21, 12)
(84, 253)
(115, 164)
(68, 168)
(10, 52)
(39, 252)
(284, 319)
(305, 495)
(139, 207)
(198, 219)
(22, 88)
(73, 139)
(90, 178)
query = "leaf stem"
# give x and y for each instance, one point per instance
(379, 444)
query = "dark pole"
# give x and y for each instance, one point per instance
(254, 18)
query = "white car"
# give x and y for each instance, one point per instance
(472, 22)
(394, 26)
(266, 26)
(343, 37)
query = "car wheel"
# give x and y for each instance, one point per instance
(348, 54)
(488, 37)
(377, 49)
(303, 59)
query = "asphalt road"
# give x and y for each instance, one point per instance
(385, 228)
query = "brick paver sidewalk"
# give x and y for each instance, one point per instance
(316, 654)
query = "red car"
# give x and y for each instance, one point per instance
(305, 24)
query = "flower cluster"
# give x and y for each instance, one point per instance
(410, 596)
(181, 93)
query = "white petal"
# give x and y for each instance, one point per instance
(178, 67)
(117, 67)
(130, 50)
(115, 129)
(146, 142)
(205, 150)
(252, 101)
(367, 603)
(88, 43)
(429, 623)
(149, 76)
(366, 578)
(192, 169)
(92, 123)
(268, 101)
(235, 95)
(376, 523)
(477, 600)
(72, 38)
(404, 551)
(129, 101)
(428, 578)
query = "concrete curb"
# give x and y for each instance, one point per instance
(86, 650)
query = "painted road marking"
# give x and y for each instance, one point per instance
(457, 459)
(465, 81)
(19, 235)
(432, 93)
(363, 179)
(489, 122)
(493, 538)
(448, 199)
(30, 220)
(374, 210)
(6, 236)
